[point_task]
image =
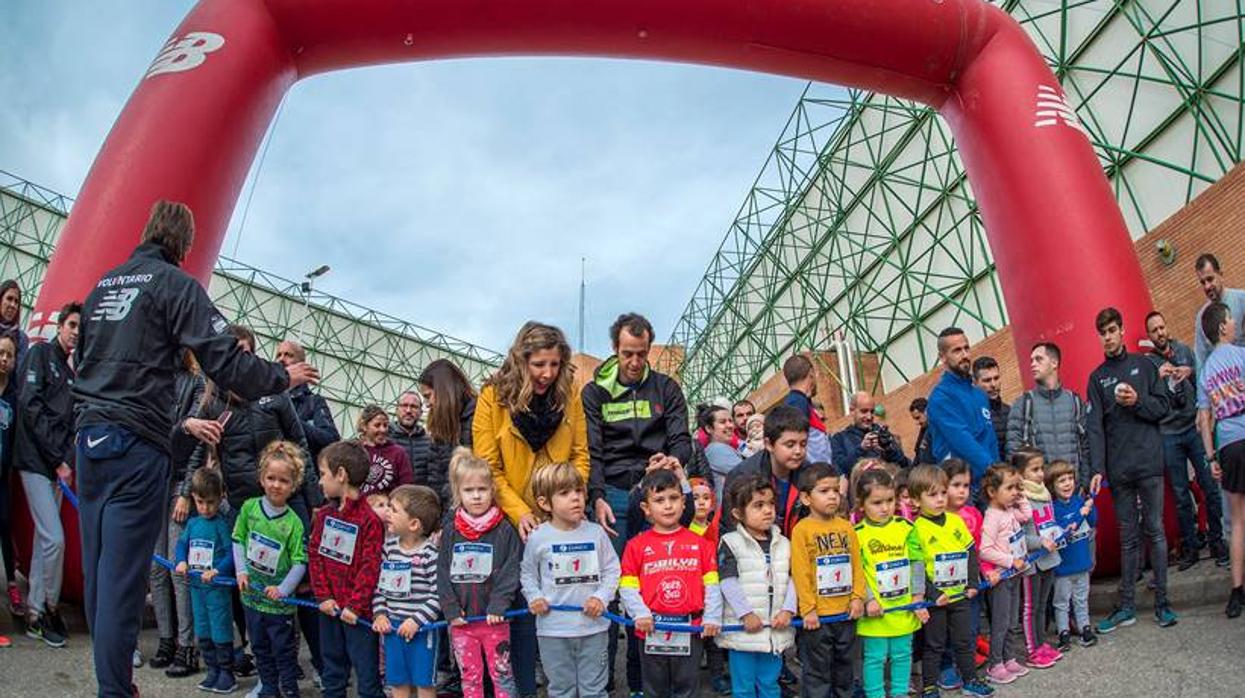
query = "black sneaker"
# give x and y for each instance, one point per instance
(164, 654)
(1187, 560)
(243, 664)
(1088, 638)
(1219, 551)
(57, 622)
(38, 628)
(1065, 641)
(185, 663)
(1234, 602)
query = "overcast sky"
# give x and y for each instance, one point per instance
(479, 183)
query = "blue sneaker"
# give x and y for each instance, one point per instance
(949, 679)
(1119, 618)
(1164, 616)
(976, 687)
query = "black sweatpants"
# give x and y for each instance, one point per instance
(949, 625)
(672, 676)
(827, 658)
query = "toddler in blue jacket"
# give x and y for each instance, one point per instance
(1076, 515)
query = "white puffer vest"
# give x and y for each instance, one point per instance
(765, 585)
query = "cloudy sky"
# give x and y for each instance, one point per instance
(478, 184)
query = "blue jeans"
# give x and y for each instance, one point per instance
(1178, 451)
(619, 499)
(122, 486)
(755, 674)
(343, 646)
(276, 651)
(212, 611)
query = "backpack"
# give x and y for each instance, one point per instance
(1026, 439)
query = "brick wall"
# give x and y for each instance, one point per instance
(1213, 222)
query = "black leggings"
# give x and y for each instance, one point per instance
(6, 528)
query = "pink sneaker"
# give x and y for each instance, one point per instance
(999, 674)
(1051, 651)
(1015, 668)
(1039, 660)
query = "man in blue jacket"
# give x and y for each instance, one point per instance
(959, 411)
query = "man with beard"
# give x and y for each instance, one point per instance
(1182, 445)
(959, 412)
(986, 375)
(312, 410)
(1211, 280)
(407, 432)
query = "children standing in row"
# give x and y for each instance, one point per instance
(478, 575)
(569, 561)
(205, 546)
(1076, 517)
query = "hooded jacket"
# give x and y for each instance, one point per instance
(629, 423)
(1053, 421)
(1124, 442)
(418, 449)
(134, 323)
(960, 423)
(45, 429)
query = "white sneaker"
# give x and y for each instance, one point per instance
(259, 687)
(137, 660)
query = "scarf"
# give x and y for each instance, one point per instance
(1035, 491)
(473, 528)
(539, 422)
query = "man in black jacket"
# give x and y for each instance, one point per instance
(986, 375)
(407, 432)
(43, 454)
(134, 322)
(313, 412)
(863, 440)
(1126, 403)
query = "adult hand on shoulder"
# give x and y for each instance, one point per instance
(605, 516)
(302, 373)
(527, 524)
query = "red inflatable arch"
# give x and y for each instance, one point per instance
(191, 129)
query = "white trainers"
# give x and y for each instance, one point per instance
(254, 692)
(137, 660)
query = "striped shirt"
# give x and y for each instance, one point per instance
(408, 583)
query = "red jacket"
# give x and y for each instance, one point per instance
(345, 560)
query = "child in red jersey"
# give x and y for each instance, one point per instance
(347, 543)
(669, 575)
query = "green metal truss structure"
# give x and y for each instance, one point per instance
(862, 220)
(364, 356)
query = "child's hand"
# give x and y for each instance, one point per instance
(380, 624)
(458, 622)
(752, 623)
(710, 630)
(644, 625)
(538, 607)
(855, 608)
(922, 614)
(348, 616)
(328, 607)
(970, 593)
(494, 619)
(1019, 564)
(273, 592)
(244, 581)
(873, 609)
(408, 629)
(780, 621)
(942, 600)
(207, 576)
(1049, 545)
(993, 576)
(812, 621)
(594, 607)
(181, 569)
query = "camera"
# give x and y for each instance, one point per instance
(886, 440)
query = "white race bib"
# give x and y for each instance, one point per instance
(950, 570)
(395, 579)
(574, 563)
(471, 563)
(894, 578)
(666, 643)
(1049, 530)
(200, 554)
(1017, 544)
(834, 575)
(337, 540)
(263, 553)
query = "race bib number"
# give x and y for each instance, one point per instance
(1049, 530)
(395, 579)
(666, 643)
(1082, 532)
(262, 553)
(950, 570)
(574, 563)
(471, 563)
(200, 555)
(1017, 544)
(834, 575)
(894, 578)
(338, 539)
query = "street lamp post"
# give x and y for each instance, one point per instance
(310, 277)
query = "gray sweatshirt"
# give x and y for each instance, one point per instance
(568, 568)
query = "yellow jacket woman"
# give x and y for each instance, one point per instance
(529, 414)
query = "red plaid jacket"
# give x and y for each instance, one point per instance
(345, 559)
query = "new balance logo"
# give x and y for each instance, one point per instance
(115, 305)
(185, 53)
(1053, 109)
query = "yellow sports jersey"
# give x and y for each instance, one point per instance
(887, 554)
(945, 551)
